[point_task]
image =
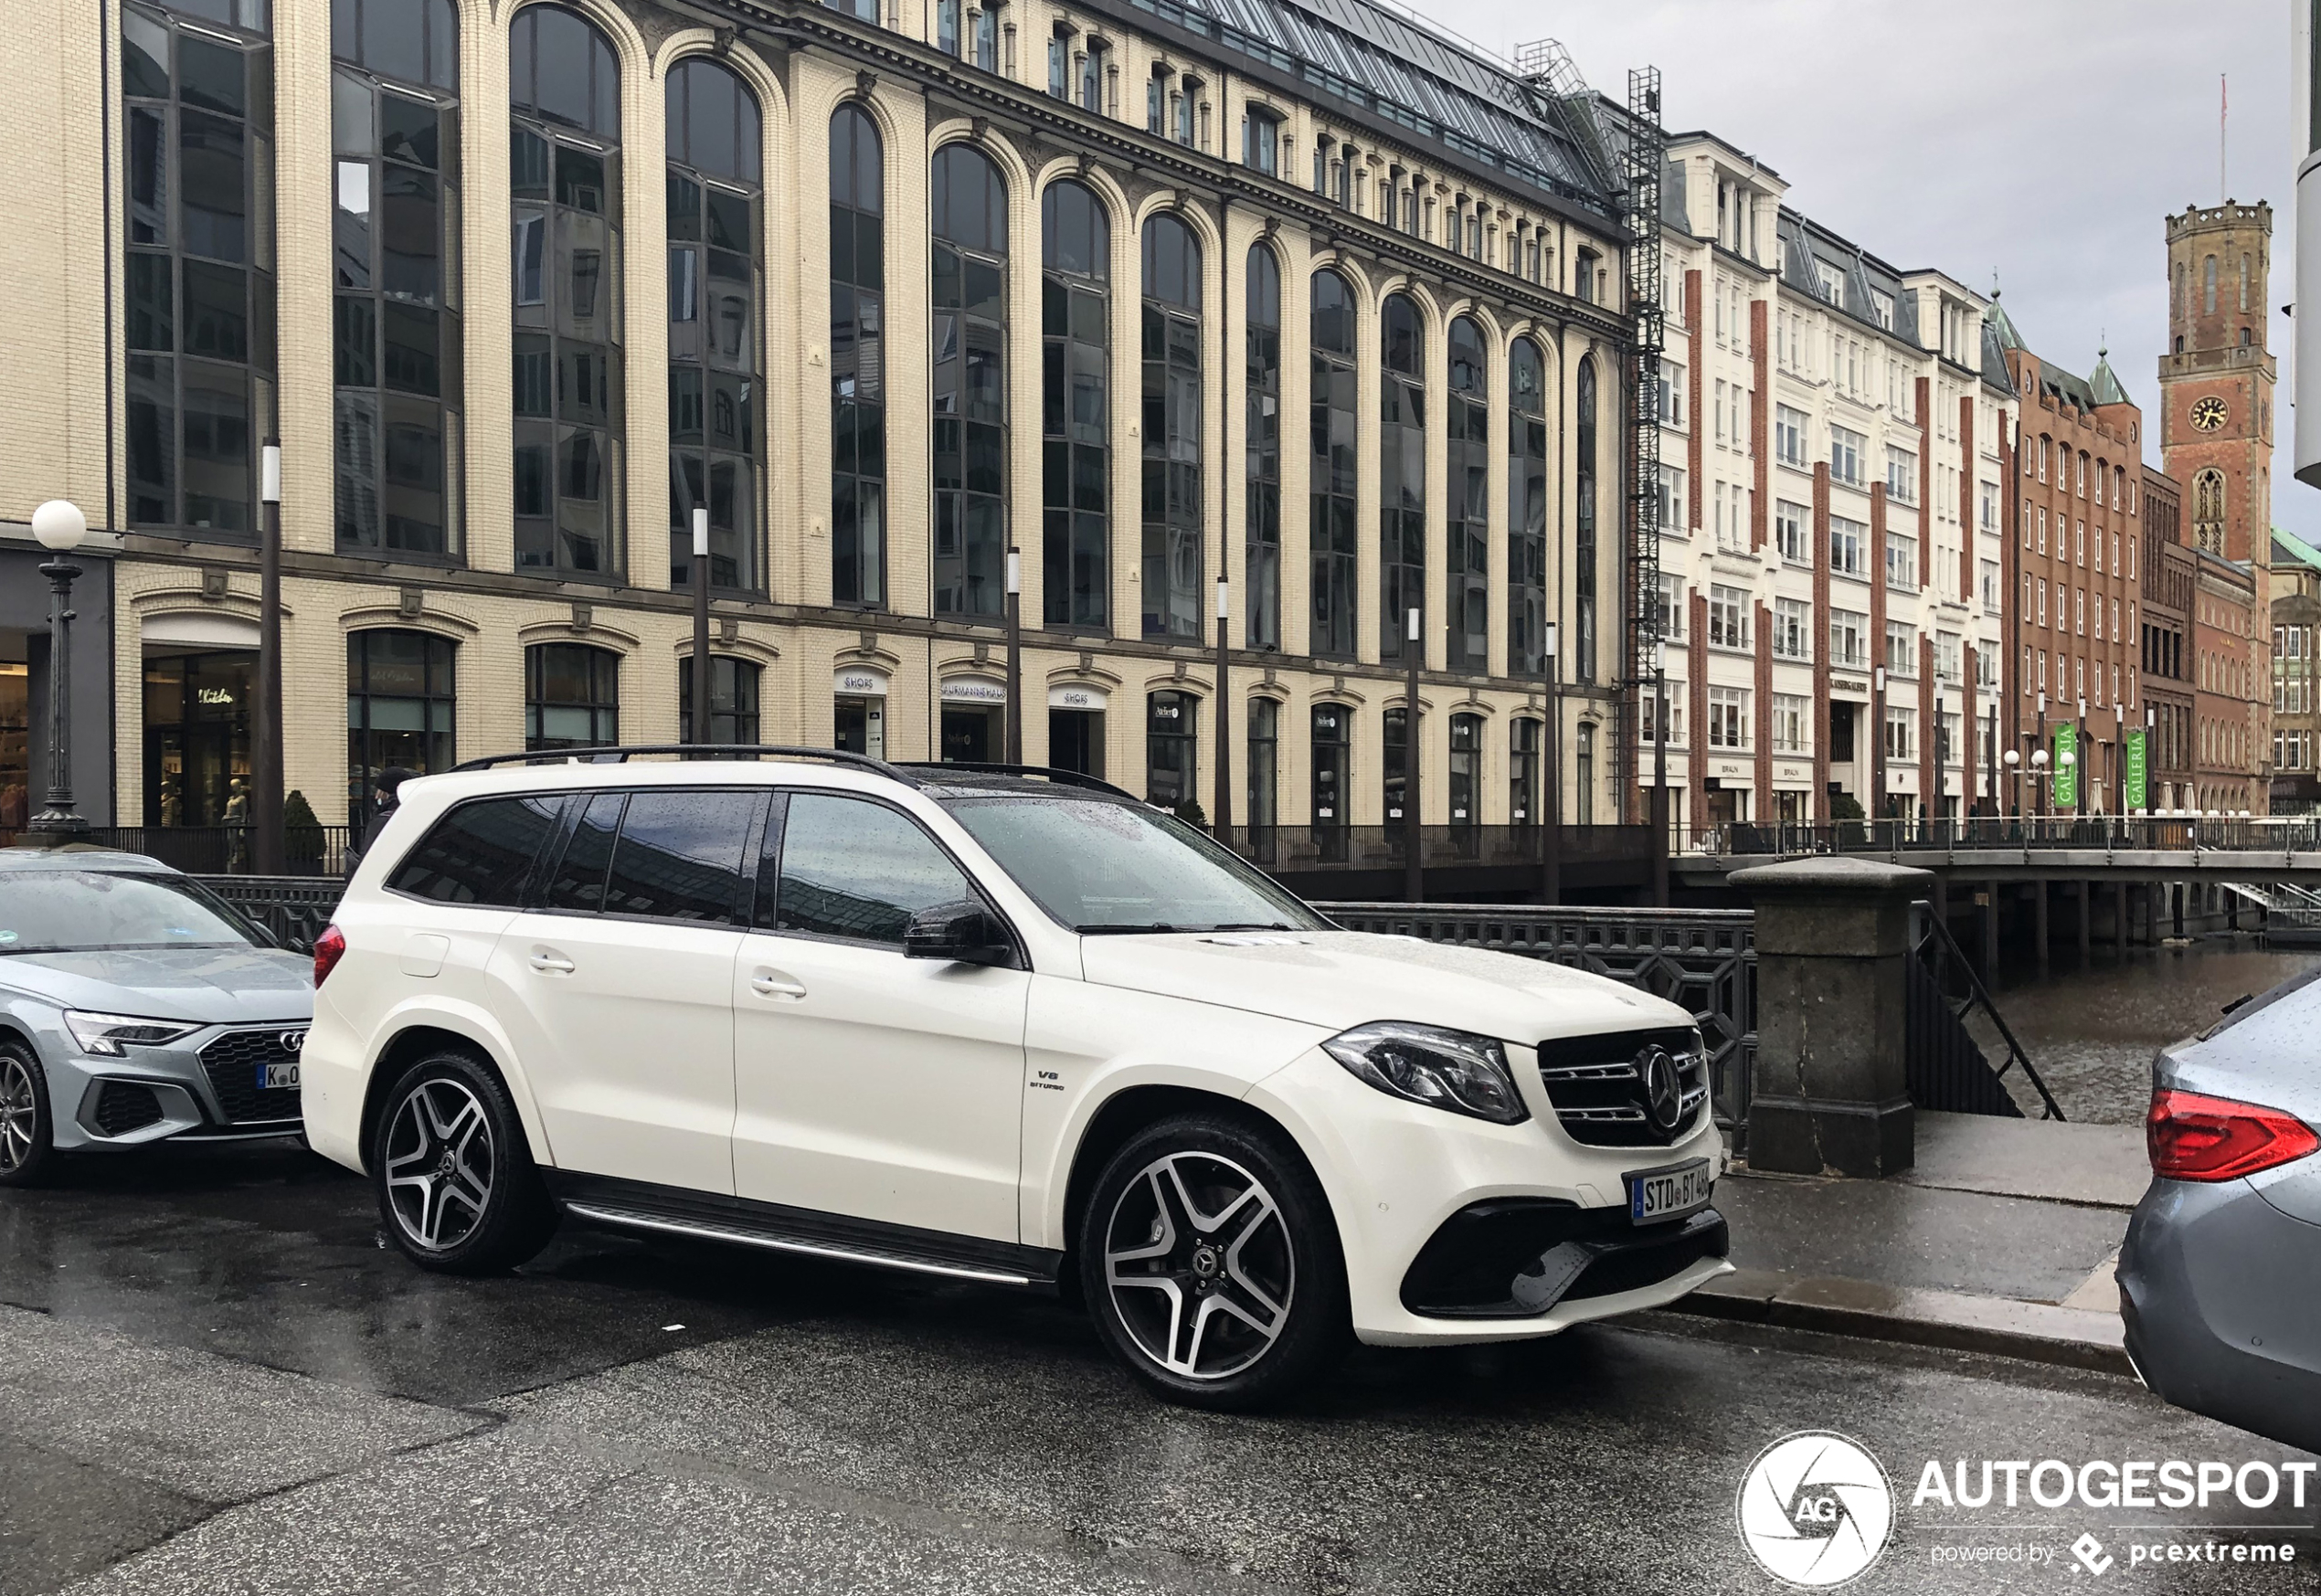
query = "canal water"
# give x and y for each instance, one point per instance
(2091, 1031)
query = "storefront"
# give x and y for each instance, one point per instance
(1076, 727)
(197, 736)
(860, 711)
(974, 727)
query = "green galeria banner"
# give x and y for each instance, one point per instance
(2066, 770)
(2134, 797)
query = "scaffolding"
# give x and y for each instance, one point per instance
(1642, 155)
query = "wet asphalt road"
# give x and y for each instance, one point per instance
(215, 1377)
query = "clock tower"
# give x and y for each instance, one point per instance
(2216, 379)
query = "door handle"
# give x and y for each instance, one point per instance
(774, 983)
(550, 964)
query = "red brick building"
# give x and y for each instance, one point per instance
(2077, 552)
(2168, 656)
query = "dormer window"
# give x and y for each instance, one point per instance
(1261, 140)
(1156, 101)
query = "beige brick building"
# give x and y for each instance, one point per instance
(518, 286)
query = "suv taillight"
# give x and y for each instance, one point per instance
(329, 948)
(2193, 1137)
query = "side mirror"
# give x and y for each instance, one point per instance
(961, 933)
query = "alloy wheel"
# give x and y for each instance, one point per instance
(440, 1164)
(1199, 1264)
(19, 1112)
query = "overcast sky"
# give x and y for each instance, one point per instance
(2041, 139)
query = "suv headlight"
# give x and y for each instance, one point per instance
(107, 1035)
(1453, 1070)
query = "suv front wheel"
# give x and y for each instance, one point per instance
(457, 1187)
(1211, 1262)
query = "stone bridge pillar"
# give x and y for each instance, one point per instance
(1830, 1095)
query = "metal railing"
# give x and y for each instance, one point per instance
(294, 908)
(307, 851)
(1305, 848)
(1704, 960)
(2114, 833)
(1945, 1064)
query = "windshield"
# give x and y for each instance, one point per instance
(1100, 867)
(82, 910)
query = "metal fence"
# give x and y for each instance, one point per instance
(1305, 848)
(307, 851)
(1703, 960)
(295, 908)
(2118, 834)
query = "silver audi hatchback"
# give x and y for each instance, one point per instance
(137, 1007)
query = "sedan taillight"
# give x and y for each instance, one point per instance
(329, 948)
(2194, 1138)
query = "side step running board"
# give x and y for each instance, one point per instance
(712, 1231)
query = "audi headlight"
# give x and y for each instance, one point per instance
(107, 1035)
(1454, 1069)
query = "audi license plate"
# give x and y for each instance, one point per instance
(1665, 1194)
(278, 1077)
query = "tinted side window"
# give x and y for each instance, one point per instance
(679, 857)
(579, 881)
(478, 853)
(849, 868)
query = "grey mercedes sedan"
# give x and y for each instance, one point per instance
(136, 1006)
(2218, 1278)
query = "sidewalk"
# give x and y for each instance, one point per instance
(2002, 1240)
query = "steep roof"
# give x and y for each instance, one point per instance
(2003, 325)
(2103, 384)
(2296, 550)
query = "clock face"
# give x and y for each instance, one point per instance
(2208, 414)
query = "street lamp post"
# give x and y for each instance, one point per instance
(701, 718)
(1015, 753)
(1225, 723)
(1878, 730)
(1413, 866)
(1660, 774)
(266, 761)
(2039, 749)
(59, 526)
(1552, 784)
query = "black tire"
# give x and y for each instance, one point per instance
(447, 1134)
(28, 1135)
(1267, 1284)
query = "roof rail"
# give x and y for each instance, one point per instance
(617, 754)
(988, 767)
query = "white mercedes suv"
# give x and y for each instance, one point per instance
(998, 1025)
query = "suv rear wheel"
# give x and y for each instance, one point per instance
(1211, 1262)
(458, 1189)
(27, 1141)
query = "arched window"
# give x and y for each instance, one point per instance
(1402, 473)
(199, 266)
(857, 360)
(970, 381)
(565, 167)
(2207, 510)
(1173, 752)
(1523, 772)
(1584, 524)
(1170, 580)
(571, 696)
(394, 233)
(1526, 510)
(733, 699)
(717, 267)
(1330, 524)
(1464, 788)
(1076, 258)
(400, 695)
(2208, 286)
(1261, 606)
(1468, 467)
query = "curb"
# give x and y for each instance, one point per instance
(2040, 1332)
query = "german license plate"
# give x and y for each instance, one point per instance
(1665, 1194)
(278, 1077)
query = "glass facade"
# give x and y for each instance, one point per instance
(857, 360)
(1261, 603)
(1329, 525)
(394, 275)
(1468, 418)
(1402, 473)
(716, 269)
(1526, 510)
(198, 266)
(399, 705)
(1076, 412)
(1171, 581)
(969, 202)
(565, 165)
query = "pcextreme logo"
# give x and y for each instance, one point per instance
(1815, 1509)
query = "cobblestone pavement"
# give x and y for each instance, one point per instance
(215, 1377)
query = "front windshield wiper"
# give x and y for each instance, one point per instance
(1157, 929)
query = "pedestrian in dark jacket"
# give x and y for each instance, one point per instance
(382, 796)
